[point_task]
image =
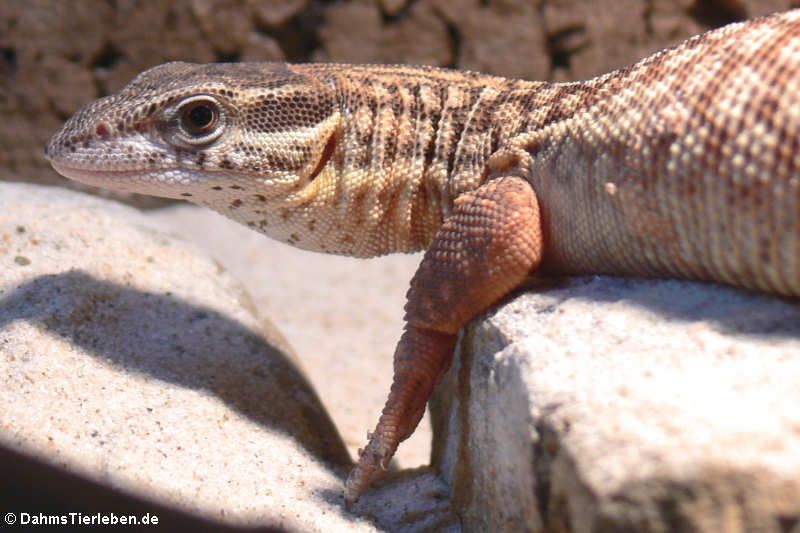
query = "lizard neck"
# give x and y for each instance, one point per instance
(410, 141)
(403, 144)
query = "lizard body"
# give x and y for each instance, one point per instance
(686, 164)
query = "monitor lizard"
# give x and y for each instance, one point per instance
(684, 165)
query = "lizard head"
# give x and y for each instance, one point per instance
(306, 154)
(214, 134)
(201, 124)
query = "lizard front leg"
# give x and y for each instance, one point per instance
(484, 249)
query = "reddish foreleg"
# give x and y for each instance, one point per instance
(489, 244)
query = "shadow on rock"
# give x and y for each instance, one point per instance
(185, 344)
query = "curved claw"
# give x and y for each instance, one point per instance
(421, 358)
(375, 455)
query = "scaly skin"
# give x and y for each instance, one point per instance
(685, 165)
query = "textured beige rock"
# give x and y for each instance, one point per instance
(343, 316)
(134, 360)
(624, 405)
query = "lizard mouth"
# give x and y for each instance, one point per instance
(131, 181)
(93, 176)
(88, 175)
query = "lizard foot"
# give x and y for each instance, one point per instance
(421, 359)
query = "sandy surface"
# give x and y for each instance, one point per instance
(342, 316)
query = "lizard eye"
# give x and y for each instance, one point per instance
(200, 120)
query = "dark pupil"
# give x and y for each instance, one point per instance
(201, 116)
